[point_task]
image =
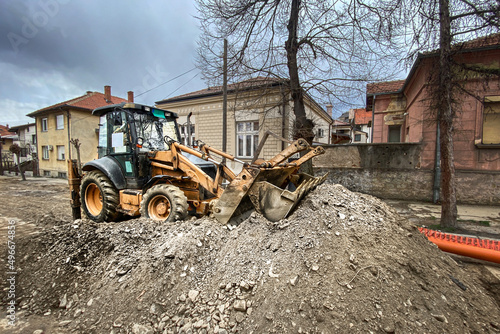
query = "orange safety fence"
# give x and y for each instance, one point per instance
(483, 249)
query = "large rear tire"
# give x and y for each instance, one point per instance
(164, 202)
(99, 197)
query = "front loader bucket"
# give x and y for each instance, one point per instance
(275, 203)
(263, 186)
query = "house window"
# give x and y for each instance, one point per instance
(45, 152)
(33, 139)
(184, 134)
(394, 133)
(357, 137)
(60, 152)
(44, 125)
(321, 133)
(247, 134)
(62, 175)
(46, 173)
(491, 121)
(60, 122)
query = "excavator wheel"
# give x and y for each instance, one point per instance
(164, 202)
(99, 197)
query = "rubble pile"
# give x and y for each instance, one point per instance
(342, 262)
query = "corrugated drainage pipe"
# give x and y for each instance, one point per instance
(483, 249)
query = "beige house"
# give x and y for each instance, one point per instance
(254, 107)
(58, 124)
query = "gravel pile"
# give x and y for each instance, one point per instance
(343, 262)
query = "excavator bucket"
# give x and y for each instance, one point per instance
(268, 186)
(275, 203)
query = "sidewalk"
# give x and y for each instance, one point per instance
(480, 220)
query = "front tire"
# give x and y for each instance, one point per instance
(164, 202)
(99, 197)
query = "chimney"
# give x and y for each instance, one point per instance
(107, 93)
(329, 109)
(130, 96)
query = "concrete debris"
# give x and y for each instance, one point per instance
(359, 272)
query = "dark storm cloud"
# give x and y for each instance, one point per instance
(52, 50)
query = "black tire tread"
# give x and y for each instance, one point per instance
(179, 204)
(111, 196)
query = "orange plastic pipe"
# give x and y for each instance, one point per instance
(483, 249)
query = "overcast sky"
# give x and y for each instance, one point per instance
(55, 50)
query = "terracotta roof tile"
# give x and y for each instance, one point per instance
(4, 131)
(90, 101)
(384, 87)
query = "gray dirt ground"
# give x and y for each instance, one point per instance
(343, 262)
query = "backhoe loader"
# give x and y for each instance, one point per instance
(143, 169)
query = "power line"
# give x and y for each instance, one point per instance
(180, 75)
(181, 86)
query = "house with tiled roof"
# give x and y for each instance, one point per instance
(402, 109)
(255, 106)
(57, 124)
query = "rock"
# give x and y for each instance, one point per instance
(198, 324)
(193, 294)
(78, 312)
(239, 317)
(63, 302)
(141, 329)
(240, 305)
(440, 317)
(315, 267)
(89, 303)
(38, 331)
(65, 323)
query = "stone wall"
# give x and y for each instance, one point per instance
(392, 171)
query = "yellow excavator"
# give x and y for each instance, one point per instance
(143, 169)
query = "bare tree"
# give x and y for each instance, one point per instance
(328, 49)
(442, 25)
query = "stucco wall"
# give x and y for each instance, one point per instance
(52, 137)
(245, 106)
(83, 128)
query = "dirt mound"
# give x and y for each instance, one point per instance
(342, 262)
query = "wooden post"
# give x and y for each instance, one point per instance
(74, 180)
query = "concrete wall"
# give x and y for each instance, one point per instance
(393, 171)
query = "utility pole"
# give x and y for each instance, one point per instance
(224, 101)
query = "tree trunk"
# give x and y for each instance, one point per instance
(445, 118)
(303, 125)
